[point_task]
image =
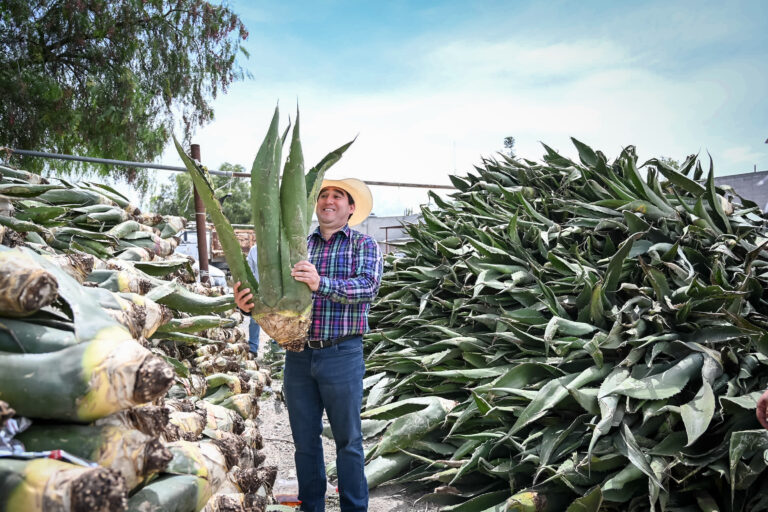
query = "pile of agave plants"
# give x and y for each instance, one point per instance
(125, 384)
(575, 335)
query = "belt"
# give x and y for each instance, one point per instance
(318, 344)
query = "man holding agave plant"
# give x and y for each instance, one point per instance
(313, 296)
(343, 271)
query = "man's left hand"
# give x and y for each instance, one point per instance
(306, 272)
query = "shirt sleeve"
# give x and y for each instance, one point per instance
(253, 262)
(364, 285)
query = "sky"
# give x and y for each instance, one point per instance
(431, 87)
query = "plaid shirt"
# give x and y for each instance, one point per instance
(350, 267)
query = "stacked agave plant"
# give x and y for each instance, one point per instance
(119, 358)
(574, 336)
(282, 214)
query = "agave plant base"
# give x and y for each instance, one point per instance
(288, 328)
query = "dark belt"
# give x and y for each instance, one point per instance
(318, 344)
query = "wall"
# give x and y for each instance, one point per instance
(751, 185)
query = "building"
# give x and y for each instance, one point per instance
(750, 185)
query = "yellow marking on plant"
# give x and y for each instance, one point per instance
(109, 385)
(123, 281)
(28, 495)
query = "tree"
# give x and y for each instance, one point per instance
(670, 162)
(108, 78)
(509, 147)
(176, 196)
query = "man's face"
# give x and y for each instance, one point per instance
(333, 208)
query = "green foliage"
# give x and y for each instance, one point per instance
(601, 326)
(108, 78)
(176, 197)
(509, 146)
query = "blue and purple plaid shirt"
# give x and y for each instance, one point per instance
(350, 267)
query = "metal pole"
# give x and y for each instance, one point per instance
(202, 239)
(176, 168)
(120, 163)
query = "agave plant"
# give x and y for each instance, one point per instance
(282, 213)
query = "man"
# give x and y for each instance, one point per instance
(344, 272)
(254, 329)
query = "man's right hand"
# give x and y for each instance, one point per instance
(243, 298)
(762, 404)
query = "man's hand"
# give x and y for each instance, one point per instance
(762, 405)
(243, 298)
(306, 272)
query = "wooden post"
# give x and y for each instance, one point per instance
(202, 239)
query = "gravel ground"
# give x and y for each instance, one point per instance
(278, 448)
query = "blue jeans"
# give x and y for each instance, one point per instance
(254, 331)
(332, 379)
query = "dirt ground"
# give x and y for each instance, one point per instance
(278, 448)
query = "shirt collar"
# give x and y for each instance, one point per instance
(345, 230)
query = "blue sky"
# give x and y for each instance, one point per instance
(433, 86)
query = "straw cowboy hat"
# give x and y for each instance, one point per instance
(360, 193)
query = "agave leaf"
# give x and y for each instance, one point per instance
(714, 202)
(663, 385)
(385, 467)
(637, 457)
(615, 267)
(698, 413)
(623, 485)
(398, 409)
(481, 503)
(555, 391)
(745, 444)
(229, 242)
(408, 428)
(590, 502)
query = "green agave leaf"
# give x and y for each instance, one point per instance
(615, 267)
(233, 253)
(555, 391)
(745, 444)
(470, 374)
(590, 502)
(663, 385)
(408, 428)
(698, 413)
(178, 366)
(481, 502)
(162, 268)
(385, 467)
(624, 484)
(397, 409)
(637, 457)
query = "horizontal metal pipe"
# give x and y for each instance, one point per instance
(126, 163)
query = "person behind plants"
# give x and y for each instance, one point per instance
(254, 329)
(344, 272)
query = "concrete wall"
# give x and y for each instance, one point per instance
(751, 185)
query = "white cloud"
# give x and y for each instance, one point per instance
(463, 97)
